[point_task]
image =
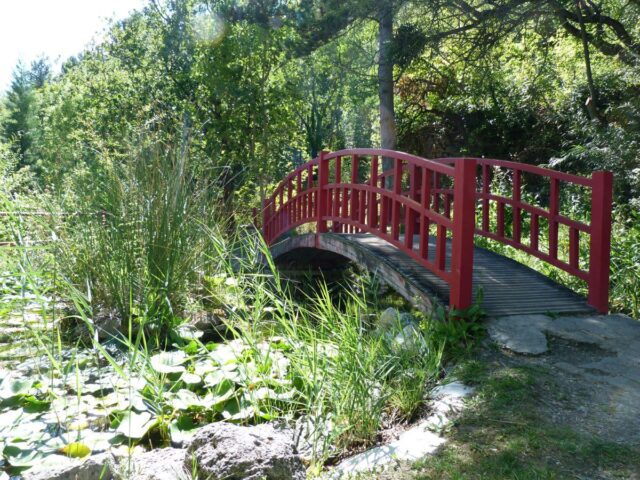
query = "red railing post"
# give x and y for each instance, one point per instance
(323, 179)
(600, 247)
(464, 219)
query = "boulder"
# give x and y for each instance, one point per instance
(59, 467)
(161, 464)
(389, 319)
(408, 338)
(230, 452)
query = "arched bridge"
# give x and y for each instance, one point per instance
(419, 221)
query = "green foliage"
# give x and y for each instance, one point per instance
(139, 245)
(625, 265)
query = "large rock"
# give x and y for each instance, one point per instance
(59, 467)
(389, 319)
(161, 464)
(409, 338)
(226, 451)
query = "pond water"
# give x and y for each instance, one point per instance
(55, 399)
(60, 401)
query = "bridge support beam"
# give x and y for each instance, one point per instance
(464, 218)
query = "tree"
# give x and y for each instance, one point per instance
(19, 102)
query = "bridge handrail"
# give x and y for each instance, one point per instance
(370, 206)
(599, 227)
(386, 200)
(523, 167)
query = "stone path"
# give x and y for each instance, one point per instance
(596, 356)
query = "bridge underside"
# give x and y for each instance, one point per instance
(508, 287)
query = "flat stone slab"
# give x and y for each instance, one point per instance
(520, 333)
(527, 334)
(414, 444)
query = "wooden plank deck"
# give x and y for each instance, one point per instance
(509, 287)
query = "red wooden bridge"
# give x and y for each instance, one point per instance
(422, 218)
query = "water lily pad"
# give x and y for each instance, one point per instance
(169, 362)
(214, 378)
(220, 395)
(237, 410)
(186, 399)
(21, 457)
(12, 387)
(31, 404)
(76, 450)
(136, 425)
(226, 353)
(182, 429)
(202, 367)
(265, 393)
(191, 378)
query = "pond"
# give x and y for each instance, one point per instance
(332, 368)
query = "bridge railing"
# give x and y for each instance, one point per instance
(520, 222)
(431, 209)
(347, 192)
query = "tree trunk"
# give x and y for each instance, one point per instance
(385, 81)
(591, 104)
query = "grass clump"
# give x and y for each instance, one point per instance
(139, 247)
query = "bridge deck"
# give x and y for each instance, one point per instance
(508, 286)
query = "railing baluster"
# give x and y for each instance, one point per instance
(517, 217)
(323, 179)
(397, 191)
(534, 234)
(600, 246)
(463, 228)
(299, 197)
(554, 208)
(384, 217)
(311, 195)
(361, 207)
(355, 161)
(410, 222)
(373, 197)
(425, 195)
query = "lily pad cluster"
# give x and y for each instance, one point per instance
(91, 406)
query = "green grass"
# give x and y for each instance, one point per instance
(140, 247)
(504, 434)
